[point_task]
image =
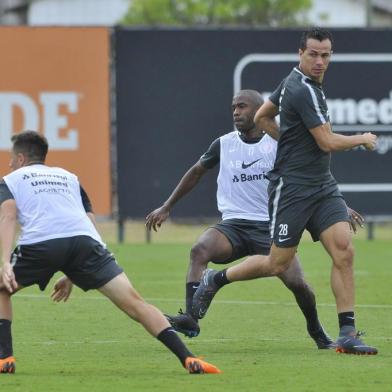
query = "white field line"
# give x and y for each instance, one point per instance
(214, 340)
(222, 302)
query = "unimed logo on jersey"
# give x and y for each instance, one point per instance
(50, 113)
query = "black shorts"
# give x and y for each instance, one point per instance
(247, 237)
(296, 207)
(84, 260)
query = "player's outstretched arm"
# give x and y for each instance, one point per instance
(329, 141)
(190, 179)
(265, 119)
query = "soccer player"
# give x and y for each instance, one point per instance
(303, 193)
(244, 157)
(58, 234)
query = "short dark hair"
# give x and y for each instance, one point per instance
(315, 33)
(254, 95)
(31, 144)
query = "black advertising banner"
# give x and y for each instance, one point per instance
(174, 91)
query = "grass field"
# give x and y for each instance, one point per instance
(254, 332)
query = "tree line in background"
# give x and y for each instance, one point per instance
(240, 13)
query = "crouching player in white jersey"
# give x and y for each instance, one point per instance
(244, 158)
(58, 234)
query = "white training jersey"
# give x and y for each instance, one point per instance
(49, 204)
(242, 181)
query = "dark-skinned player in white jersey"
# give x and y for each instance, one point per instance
(303, 194)
(58, 234)
(244, 158)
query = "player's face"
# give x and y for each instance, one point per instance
(244, 111)
(314, 60)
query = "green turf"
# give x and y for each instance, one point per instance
(253, 332)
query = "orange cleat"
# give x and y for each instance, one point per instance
(7, 365)
(198, 366)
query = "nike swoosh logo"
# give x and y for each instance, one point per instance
(246, 165)
(284, 239)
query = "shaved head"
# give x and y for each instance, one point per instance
(245, 105)
(253, 95)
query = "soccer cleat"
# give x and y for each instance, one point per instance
(352, 344)
(322, 340)
(198, 366)
(184, 323)
(7, 365)
(204, 294)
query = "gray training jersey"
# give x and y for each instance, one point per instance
(302, 106)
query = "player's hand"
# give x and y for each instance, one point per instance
(155, 218)
(355, 219)
(8, 277)
(62, 290)
(369, 141)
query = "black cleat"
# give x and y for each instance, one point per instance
(184, 323)
(352, 344)
(322, 340)
(204, 294)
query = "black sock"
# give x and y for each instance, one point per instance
(171, 340)
(190, 289)
(220, 278)
(5, 339)
(346, 318)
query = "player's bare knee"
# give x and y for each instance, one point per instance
(199, 254)
(278, 269)
(345, 248)
(344, 258)
(350, 253)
